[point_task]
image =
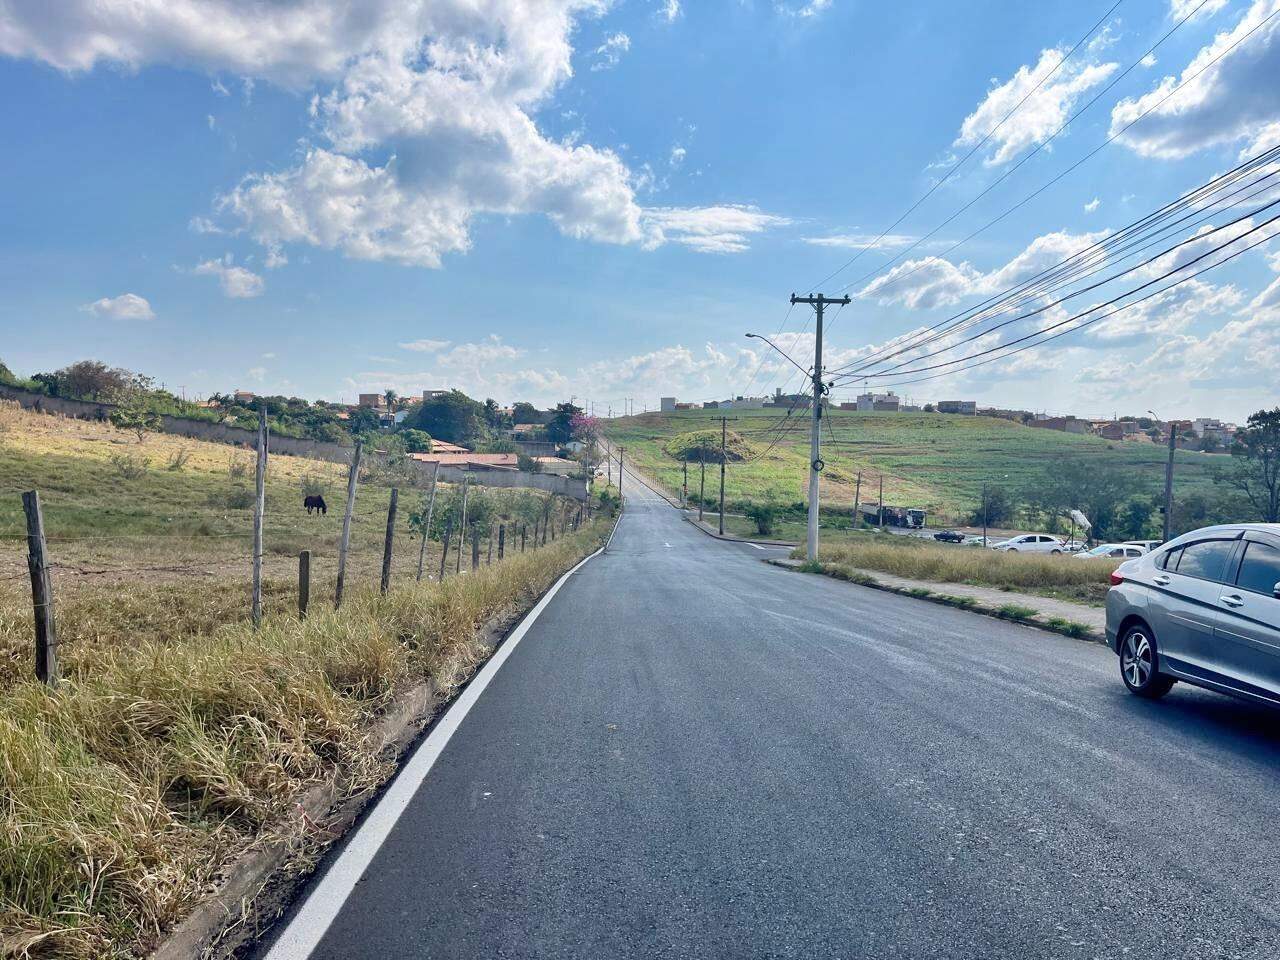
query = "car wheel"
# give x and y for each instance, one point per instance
(1012, 550)
(1140, 663)
(1056, 552)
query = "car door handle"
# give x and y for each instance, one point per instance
(1233, 601)
(1161, 581)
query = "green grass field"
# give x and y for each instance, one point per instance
(930, 460)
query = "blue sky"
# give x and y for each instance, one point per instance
(554, 198)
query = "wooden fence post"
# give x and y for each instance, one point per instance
(475, 547)
(304, 583)
(462, 525)
(259, 508)
(502, 539)
(390, 540)
(524, 531)
(353, 480)
(489, 559)
(444, 550)
(41, 591)
(426, 529)
(546, 516)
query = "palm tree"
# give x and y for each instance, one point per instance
(392, 399)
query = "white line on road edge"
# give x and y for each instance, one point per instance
(750, 544)
(311, 922)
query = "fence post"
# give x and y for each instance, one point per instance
(462, 525)
(524, 530)
(259, 508)
(304, 583)
(475, 547)
(426, 530)
(489, 558)
(353, 480)
(502, 539)
(546, 516)
(41, 591)
(390, 540)
(444, 550)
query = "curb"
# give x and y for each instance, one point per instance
(1068, 628)
(732, 539)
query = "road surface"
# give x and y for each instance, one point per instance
(692, 753)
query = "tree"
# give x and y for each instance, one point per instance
(453, 417)
(1256, 464)
(525, 413)
(763, 515)
(494, 416)
(585, 429)
(1097, 492)
(392, 399)
(527, 463)
(133, 413)
(415, 441)
(1210, 443)
(560, 426)
(94, 380)
(928, 408)
(6, 375)
(363, 420)
(995, 509)
(1134, 522)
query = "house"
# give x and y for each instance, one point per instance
(1064, 424)
(878, 401)
(667, 404)
(245, 396)
(969, 407)
(373, 401)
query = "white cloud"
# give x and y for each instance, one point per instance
(1092, 205)
(237, 282)
(717, 229)
(275, 257)
(1181, 8)
(677, 156)
(1148, 61)
(858, 240)
(127, 306)
(669, 10)
(424, 346)
(424, 113)
(1044, 111)
(204, 225)
(1232, 100)
(805, 10)
(257, 374)
(609, 54)
(1170, 312)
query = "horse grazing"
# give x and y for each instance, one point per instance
(315, 502)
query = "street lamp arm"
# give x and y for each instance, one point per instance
(756, 336)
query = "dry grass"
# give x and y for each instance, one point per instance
(171, 746)
(1062, 577)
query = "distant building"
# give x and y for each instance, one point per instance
(1064, 424)
(245, 396)
(432, 394)
(374, 401)
(969, 407)
(667, 404)
(878, 401)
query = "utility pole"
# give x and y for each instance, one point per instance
(1168, 481)
(723, 427)
(819, 304)
(857, 497)
(684, 487)
(702, 482)
(984, 514)
(880, 512)
(621, 451)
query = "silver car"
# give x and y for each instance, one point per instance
(1203, 608)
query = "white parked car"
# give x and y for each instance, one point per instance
(1118, 551)
(1147, 545)
(1030, 543)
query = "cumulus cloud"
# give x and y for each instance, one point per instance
(425, 346)
(609, 54)
(1230, 101)
(423, 113)
(860, 240)
(127, 306)
(804, 10)
(1182, 8)
(716, 229)
(1092, 205)
(1044, 111)
(669, 10)
(236, 282)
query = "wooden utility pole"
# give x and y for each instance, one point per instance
(684, 486)
(819, 304)
(304, 583)
(353, 480)
(259, 508)
(41, 591)
(462, 525)
(444, 550)
(389, 542)
(426, 527)
(723, 428)
(857, 501)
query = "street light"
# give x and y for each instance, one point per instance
(756, 336)
(1168, 476)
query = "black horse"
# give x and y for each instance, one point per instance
(315, 502)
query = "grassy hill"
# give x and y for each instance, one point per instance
(931, 460)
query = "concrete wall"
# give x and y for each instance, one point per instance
(293, 446)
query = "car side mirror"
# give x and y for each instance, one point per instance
(1275, 591)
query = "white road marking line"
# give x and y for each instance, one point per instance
(309, 925)
(756, 545)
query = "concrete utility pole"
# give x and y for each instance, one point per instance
(1168, 476)
(819, 304)
(621, 451)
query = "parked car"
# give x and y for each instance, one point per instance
(1203, 608)
(949, 536)
(1147, 545)
(1030, 543)
(1122, 550)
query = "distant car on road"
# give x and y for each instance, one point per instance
(949, 536)
(1030, 543)
(1124, 551)
(1203, 608)
(1148, 545)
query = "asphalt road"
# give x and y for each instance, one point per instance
(695, 754)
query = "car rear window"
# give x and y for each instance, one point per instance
(1206, 560)
(1260, 569)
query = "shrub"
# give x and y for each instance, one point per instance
(129, 466)
(696, 445)
(527, 463)
(313, 486)
(238, 468)
(239, 497)
(178, 459)
(763, 515)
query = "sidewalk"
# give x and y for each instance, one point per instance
(707, 528)
(1060, 616)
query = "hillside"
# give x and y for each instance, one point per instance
(931, 460)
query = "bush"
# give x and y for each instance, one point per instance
(696, 445)
(130, 466)
(313, 486)
(527, 463)
(239, 498)
(238, 468)
(178, 459)
(763, 515)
